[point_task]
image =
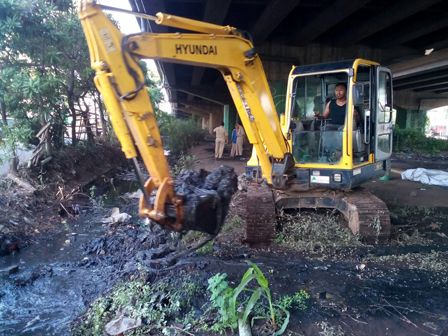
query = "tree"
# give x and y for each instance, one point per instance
(44, 67)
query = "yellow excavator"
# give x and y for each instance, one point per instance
(298, 161)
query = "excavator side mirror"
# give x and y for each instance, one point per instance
(358, 94)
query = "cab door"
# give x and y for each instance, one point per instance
(383, 127)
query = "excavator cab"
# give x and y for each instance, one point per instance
(338, 154)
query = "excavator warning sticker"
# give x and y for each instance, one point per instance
(195, 49)
(320, 179)
(107, 40)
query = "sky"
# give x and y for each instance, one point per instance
(128, 25)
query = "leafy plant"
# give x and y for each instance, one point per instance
(182, 134)
(184, 162)
(225, 300)
(98, 202)
(221, 299)
(156, 304)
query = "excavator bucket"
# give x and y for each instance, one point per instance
(205, 214)
(203, 201)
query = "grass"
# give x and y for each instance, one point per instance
(236, 221)
(415, 238)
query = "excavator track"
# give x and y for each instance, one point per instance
(366, 214)
(261, 220)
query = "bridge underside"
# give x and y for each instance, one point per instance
(397, 34)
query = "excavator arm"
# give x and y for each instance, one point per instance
(115, 58)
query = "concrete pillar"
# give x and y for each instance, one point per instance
(205, 122)
(210, 123)
(230, 117)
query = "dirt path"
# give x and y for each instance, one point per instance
(397, 192)
(204, 155)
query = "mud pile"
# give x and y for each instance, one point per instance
(206, 197)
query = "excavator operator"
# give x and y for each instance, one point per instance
(336, 108)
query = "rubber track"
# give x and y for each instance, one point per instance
(261, 219)
(373, 222)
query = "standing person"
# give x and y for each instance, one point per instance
(240, 139)
(221, 139)
(234, 138)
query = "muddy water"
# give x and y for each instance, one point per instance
(44, 296)
(59, 276)
(49, 290)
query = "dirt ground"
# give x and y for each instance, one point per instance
(397, 294)
(398, 288)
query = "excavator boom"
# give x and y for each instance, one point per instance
(119, 78)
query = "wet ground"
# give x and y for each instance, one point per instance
(49, 289)
(396, 289)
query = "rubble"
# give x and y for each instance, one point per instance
(116, 217)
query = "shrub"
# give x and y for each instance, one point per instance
(182, 134)
(411, 140)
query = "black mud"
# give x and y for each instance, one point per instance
(206, 197)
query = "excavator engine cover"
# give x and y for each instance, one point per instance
(206, 198)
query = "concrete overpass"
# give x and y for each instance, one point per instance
(395, 33)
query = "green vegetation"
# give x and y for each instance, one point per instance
(158, 305)
(414, 141)
(183, 163)
(155, 304)
(45, 71)
(182, 134)
(225, 300)
(45, 76)
(235, 222)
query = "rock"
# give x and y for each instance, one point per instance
(121, 325)
(413, 194)
(10, 270)
(242, 182)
